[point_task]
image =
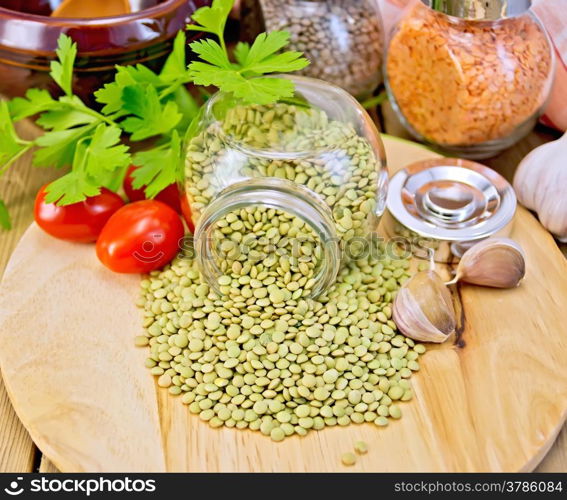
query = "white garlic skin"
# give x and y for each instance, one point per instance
(423, 309)
(541, 185)
(494, 262)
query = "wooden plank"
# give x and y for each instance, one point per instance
(17, 451)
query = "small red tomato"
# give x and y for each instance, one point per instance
(140, 237)
(81, 222)
(170, 195)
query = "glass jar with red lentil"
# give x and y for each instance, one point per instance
(469, 77)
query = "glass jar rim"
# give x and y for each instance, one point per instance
(279, 194)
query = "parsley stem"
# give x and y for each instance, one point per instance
(223, 45)
(88, 111)
(171, 89)
(95, 114)
(375, 101)
(4, 168)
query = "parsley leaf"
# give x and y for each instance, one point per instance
(71, 188)
(212, 52)
(263, 53)
(215, 68)
(11, 147)
(207, 74)
(57, 148)
(10, 143)
(62, 70)
(95, 157)
(104, 151)
(158, 167)
(69, 113)
(175, 66)
(36, 101)
(278, 63)
(149, 118)
(212, 19)
(111, 94)
(126, 76)
(262, 90)
(187, 105)
(241, 52)
(4, 216)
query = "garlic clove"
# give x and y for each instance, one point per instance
(423, 308)
(494, 262)
(540, 182)
(549, 211)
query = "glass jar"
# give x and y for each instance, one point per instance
(343, 40)
(472, 79)
(316, 157)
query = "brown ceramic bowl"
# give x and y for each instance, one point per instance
(28, 42)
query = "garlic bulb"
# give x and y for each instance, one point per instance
(423, 308)
(494, 262)
(540, 184)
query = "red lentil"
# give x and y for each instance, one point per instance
(464, 82)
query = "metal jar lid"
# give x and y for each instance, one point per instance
(448, 204)
(480, 10)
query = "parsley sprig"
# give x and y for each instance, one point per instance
(244, 77)
(140, 104)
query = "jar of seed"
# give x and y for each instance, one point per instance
(343, 40)
(469, 76)
(291, 189)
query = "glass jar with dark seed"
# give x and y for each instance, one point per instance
(342, 39)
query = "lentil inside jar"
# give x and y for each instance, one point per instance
(293, 143)
(466, 82)
(343, 40)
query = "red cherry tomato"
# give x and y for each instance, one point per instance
(81, 222)
(170, 195)
(186, 212)
(140, 237)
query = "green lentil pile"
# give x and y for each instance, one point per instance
(341, 168)
(263, 357)
(257, 351)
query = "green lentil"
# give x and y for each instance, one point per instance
(277, 434)
(381, 421)
(361, 447)
(348, 459)
(259, 353)
(395, 412)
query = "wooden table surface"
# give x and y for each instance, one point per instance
(18, 188)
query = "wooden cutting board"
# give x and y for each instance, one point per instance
(495, 402)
